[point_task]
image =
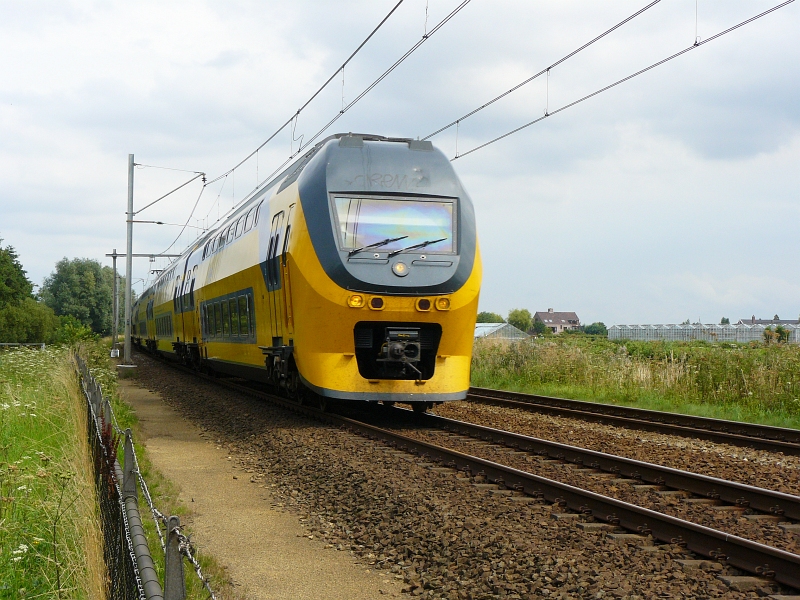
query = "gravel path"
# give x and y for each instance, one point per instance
(433, 530)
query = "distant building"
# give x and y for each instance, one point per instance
(741, 332)
(753, 321)
(498, 331)
(557, 321)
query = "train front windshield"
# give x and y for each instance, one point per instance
(363, 222)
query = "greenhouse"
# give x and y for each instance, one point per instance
(499, 331)
(709, 333)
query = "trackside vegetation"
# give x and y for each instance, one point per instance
(50, 540)
(756, 382)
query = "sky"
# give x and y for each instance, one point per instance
(673, 196)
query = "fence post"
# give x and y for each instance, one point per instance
(174, 582)
(129, 472)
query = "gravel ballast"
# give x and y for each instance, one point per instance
(436, 531)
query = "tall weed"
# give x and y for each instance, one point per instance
(50, 542)
(751, 381)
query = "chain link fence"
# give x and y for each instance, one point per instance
(131, 571)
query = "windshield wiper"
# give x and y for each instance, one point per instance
(415, 246)
(376, 245)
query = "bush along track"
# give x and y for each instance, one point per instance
(438, 533)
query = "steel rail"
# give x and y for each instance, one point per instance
(760, 437)
(744, 554)
(761, 499)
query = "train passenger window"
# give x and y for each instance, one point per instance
(231, 233)
(191, 294)
(226, 322)
(234, 310)
(252, 314)
(258, 212)
(248, 223)
(244, 327)
(239, 226)
(222, 237)
(217, 319)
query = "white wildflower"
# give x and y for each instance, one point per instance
(22, 488)
(16, 559)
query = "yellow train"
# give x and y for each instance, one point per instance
(355, 274)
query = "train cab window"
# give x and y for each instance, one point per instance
(244, 326)
(226, 323)
(217, 319)
(239, 226)
(252, 314)
(233, 308)
(364, 221)
(248, 222)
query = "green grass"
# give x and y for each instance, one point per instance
(164, 492)
(50, 541)
(743, 382)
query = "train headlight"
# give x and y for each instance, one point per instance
(355, 301)
(400, 269)
(423, 304)
(443, 304)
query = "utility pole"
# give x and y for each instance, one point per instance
(115, 310)
(129, 265)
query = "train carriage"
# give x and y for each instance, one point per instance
(355, 274)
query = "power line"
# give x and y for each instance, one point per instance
(543, 71)
(324, 85)
(696, 44)
(369, 88)
(185, 225)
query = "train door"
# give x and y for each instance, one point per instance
(177, 333)
(274, 280)
(286, 281)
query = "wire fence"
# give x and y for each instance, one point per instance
(131, 570)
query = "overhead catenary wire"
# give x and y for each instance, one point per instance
(543, 71)
(302, 146)
(314, 95)
(386, 73)
(696, 44)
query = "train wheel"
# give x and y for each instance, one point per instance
(388, 403)
(322, 403)
(420, 408)
(294, 389)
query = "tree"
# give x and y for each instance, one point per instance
(782, 333)
(540, 328)
(28, 321)
(520, 318)
(22, 318)
(598, 328)
(776, 318)
(490, 317)
(14, 285)
(81, 288)
(725, 321)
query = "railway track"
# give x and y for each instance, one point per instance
(747, 555)
(761, 437)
